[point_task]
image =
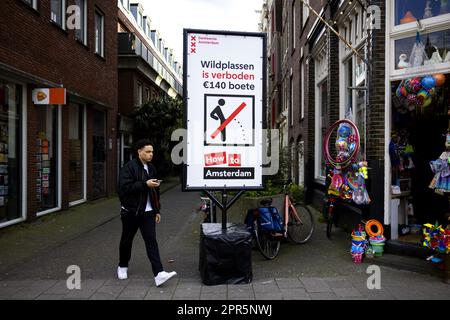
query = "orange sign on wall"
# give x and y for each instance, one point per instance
(49, 96)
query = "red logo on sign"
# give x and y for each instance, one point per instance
(193, 44)
(234, 160)
(213, 159)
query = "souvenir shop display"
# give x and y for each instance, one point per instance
(43, 165)
(417, 93)
(4, 186)
(347, 173)
(418, 55)
(441, 169)
(436, 238)
(359, 244)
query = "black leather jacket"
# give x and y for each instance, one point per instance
(133, 189)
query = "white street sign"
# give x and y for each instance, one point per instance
(224, 94)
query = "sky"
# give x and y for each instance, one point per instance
(169, 17)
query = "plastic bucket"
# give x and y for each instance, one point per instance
(378, 248)
(358, 243)
(357, 258)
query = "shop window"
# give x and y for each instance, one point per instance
(99, 34)
(10, 151)
(301, 164)
(31, 3)
(321, 128)
(47, 157)
(410, 10)
(58, 12)
(436, 46)
(76, 154)
(81, 32)
(420, 122)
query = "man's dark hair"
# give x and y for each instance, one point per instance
(141, 144)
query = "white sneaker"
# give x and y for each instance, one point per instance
(163, 277)
(122, 273)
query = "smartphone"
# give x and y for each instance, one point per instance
(159, 181)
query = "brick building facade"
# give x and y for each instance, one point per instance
(146, 69)
(55, 156)
(337, 84)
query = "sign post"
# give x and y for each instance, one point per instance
(224, 112)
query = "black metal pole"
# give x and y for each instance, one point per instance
(224, 209)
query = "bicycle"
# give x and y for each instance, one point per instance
(329, 214)
(208, 207)
(297, 225)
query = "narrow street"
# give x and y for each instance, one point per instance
(321, 269)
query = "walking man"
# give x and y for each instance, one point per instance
(140, 209)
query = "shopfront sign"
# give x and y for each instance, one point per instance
(224, 100)
(45, 96)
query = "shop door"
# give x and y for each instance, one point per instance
(99, 155)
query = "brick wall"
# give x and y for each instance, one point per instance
(39, 49)
(32, 44)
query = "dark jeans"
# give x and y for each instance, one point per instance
(146, 223)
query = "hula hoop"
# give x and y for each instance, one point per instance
(326, 140)
(374, 223)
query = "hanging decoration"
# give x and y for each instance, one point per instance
(418, 92)
(347, 175)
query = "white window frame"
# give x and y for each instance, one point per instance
(84, 23)
(101, 49)
(24, 150)
(302, 89)
(140, 95)
(59, 167)
(294, 33)
(393, 33)
(83, 109)
(301, 163)
(318, 133)
(407, 30)
(33, 3)
(305, 12)
(291, 99)
(321, 74)
(63, 15)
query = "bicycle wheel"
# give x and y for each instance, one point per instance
(300, 224)
(267, 244)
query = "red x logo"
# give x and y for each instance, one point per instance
(193, 50)
(193, 38)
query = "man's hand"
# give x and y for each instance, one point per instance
(152, 183)
(158, 218)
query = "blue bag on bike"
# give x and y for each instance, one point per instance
(270, 219)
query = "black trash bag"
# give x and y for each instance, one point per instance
(225, 255)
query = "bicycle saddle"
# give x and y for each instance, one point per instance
(266, 202)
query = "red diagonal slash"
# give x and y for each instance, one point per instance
(230, 118)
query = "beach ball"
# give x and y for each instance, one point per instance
(344, 130)
(423, 94)
(412, 99)
(428, 82)
(440, 79)
(415, 85)
(341, 145)
(406, 84)
(401, 92)
(427, 102)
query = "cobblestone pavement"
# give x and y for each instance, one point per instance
(34, 260)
